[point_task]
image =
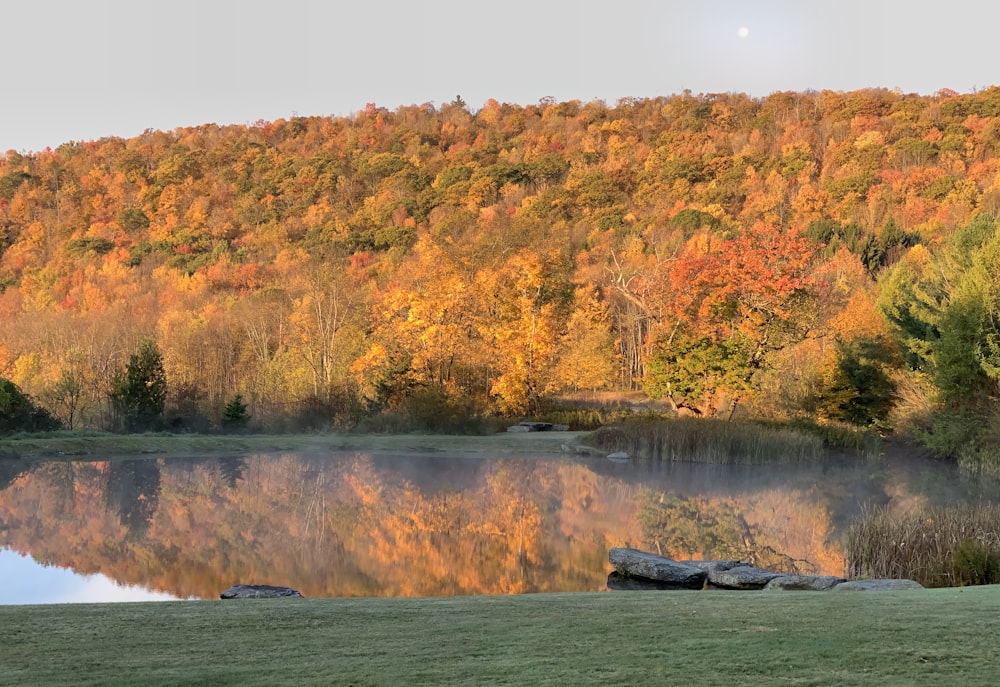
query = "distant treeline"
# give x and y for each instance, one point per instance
(822, 254)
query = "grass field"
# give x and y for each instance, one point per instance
(931, 637)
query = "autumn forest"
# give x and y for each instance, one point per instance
(822, 255)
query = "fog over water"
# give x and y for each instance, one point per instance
(358, 524)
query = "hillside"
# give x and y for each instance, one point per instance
(794, 255)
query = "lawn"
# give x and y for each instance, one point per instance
(931, 637)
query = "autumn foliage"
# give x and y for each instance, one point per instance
(705, 249)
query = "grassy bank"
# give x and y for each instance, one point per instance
(932, 637)
(99, 445)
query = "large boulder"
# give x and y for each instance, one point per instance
(713, 566)
(877, 585)
(809, 583)
(741, 577)
(623, 583)
(259, 591)
(635, 563)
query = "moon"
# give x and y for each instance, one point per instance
(743, 32)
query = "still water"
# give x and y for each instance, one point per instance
(357, 524)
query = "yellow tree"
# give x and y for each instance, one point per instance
(424, 341)
(327, 309)
(586, 358)
(523, 308)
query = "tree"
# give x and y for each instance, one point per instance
(587, 357)
(139, 394)
(235, 416)
(729, 304)
(524, 302)
(859, 391)
(18, 413)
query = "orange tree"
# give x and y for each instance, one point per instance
(729, 301)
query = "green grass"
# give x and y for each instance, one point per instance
(100, 445)
(931, 637)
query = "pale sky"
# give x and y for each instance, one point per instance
(84, 69)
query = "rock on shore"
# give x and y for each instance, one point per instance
(636, 569)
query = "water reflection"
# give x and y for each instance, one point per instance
(364, 525)
(26, 581)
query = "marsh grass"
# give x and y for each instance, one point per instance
(940, 547)
(928, 637)
(709, 441)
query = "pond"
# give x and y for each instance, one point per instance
(348, 523)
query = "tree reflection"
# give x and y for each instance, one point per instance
(11, 469)
(231, 470)
(132, 490)
(360, 525)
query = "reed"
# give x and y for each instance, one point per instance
(709, 441)
(938, 547)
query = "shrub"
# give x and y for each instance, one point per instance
(19, 413)
(975, 562)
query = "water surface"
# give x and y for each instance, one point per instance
(361, 524)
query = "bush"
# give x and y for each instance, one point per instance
(18, 412)
(976, 563)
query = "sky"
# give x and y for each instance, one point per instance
(78, 70)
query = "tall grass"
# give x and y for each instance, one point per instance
(940, 547)
(708, 441)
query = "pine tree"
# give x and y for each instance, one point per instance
(139, 394)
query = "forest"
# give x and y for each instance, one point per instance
(827, 256)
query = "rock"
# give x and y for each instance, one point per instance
(634, 563)
(811, 583)
(877, 585)
(578, 449)
(741, 577)
(716, 566)
(259, 591)
(623, 583)
(528, 426)
(619, 457)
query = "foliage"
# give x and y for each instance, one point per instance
(945, 310)
(235, 416)
(702, 247)
(732, 303)
(139, 394)
(859, 390)
(19, 413)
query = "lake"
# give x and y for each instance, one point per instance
(351, 523)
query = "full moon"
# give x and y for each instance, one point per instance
(743, 32)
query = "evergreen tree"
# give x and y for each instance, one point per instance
(139, 394)
(235, 416)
